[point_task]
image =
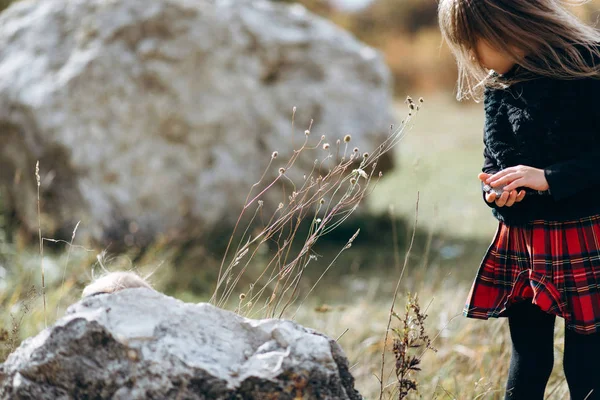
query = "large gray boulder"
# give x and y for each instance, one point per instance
(141, 344)
(153, 116)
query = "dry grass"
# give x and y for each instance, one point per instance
(325, 196)
(472, 357)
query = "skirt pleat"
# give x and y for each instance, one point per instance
(580, 275)
(554, 264)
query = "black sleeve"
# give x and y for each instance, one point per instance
(489, 167)
(571, 176)
(499, 139)
(495, 123)
(489, 164)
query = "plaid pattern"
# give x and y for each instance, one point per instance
(554, 263)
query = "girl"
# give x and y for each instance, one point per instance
(538, 67)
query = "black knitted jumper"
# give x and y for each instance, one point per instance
(551, 124)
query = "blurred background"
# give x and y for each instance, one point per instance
(87, 144)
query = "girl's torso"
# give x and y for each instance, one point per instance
(548, 121)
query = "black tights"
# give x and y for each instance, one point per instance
(532, 334)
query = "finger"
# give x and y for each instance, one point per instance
(483, 176)
(502, 200)
(516, 183)
(500, 174)
(508, 178)
(490, 197)
(511, 198)
(521, 195)
(496, 176)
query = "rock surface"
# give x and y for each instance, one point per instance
(150, 116)
(141, 344)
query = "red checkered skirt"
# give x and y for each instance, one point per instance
(554, 264)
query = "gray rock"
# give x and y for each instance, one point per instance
(153, 116)
(141, 344)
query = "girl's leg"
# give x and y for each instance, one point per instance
(580, 362)
(532, 359)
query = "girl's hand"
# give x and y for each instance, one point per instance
(507, 199)
(520, 175)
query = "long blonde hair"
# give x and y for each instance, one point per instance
(555, 43)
